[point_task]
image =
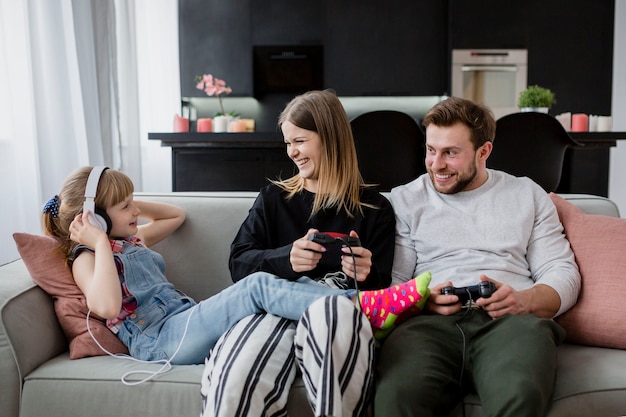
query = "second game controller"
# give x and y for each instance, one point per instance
(473, 292)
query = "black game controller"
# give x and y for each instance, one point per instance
(334, 238)
(473, 292)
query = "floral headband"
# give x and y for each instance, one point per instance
(52, 206)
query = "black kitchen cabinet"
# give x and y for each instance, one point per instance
(225, 161)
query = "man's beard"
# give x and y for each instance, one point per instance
(461, 184)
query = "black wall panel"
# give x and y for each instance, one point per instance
(569, 42)
(403, 47)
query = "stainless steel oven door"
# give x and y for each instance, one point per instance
(494, 77)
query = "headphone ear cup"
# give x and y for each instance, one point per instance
(103, 220)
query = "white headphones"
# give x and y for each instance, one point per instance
(99, 217)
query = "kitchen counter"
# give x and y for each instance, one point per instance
(220, 140)
(225, 161)
(244, 161)
(598, 139)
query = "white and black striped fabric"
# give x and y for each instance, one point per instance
(251, 369)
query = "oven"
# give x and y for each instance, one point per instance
(494, 77)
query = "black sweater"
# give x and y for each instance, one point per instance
(264, 240)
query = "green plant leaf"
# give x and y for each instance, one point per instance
(536, 96)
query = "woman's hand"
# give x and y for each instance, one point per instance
(305, 254)
(358, 265)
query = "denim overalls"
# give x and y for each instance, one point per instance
(157, 301)
(167, 324)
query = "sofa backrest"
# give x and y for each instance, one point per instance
(196, 255)
(593, 204)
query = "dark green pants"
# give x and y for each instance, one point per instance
(509, 362)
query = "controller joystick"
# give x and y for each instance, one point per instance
(334, 238)
(473, 292)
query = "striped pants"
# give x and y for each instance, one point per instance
(250, 370)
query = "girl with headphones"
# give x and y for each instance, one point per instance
(124, 281)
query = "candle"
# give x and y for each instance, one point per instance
(593, 123)
(181, 124)
(205, 125)
(249, 124)
(605, 123)
(237, 125)
(566, 120)
(580, 122)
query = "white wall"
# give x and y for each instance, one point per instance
(617, 173)
(159, 93)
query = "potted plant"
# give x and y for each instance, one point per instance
(536, 98)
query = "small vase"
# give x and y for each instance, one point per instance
(220, 124)
(535, 109)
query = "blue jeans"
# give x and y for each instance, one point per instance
(153, 333)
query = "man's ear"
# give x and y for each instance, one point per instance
(485, 150)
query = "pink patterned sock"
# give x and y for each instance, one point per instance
(382, 307)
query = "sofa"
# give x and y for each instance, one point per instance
(37, 376)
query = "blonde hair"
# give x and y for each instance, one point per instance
(113, 187)
(339, 179)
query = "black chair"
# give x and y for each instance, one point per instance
(390, 147)
(533, 145)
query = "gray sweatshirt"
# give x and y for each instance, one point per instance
(507, 229)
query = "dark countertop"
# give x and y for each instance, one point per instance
(598, 139)
(220, 140)
(274, 139)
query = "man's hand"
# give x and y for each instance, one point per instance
(540, 300)
(439, 303)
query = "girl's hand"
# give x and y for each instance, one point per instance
(95, 272)
(83, 232)
(358, 265)
(164, 219)
(305, 254)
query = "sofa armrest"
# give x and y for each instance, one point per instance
(29, 332)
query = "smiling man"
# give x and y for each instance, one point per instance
(465, 224)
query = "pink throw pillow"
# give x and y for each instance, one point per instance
(47, 267)
(599, 244)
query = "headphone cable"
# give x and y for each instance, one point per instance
(166, 363)
(356, 281)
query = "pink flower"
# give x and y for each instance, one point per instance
(213, 86)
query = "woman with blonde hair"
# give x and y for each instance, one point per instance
(251, 369)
